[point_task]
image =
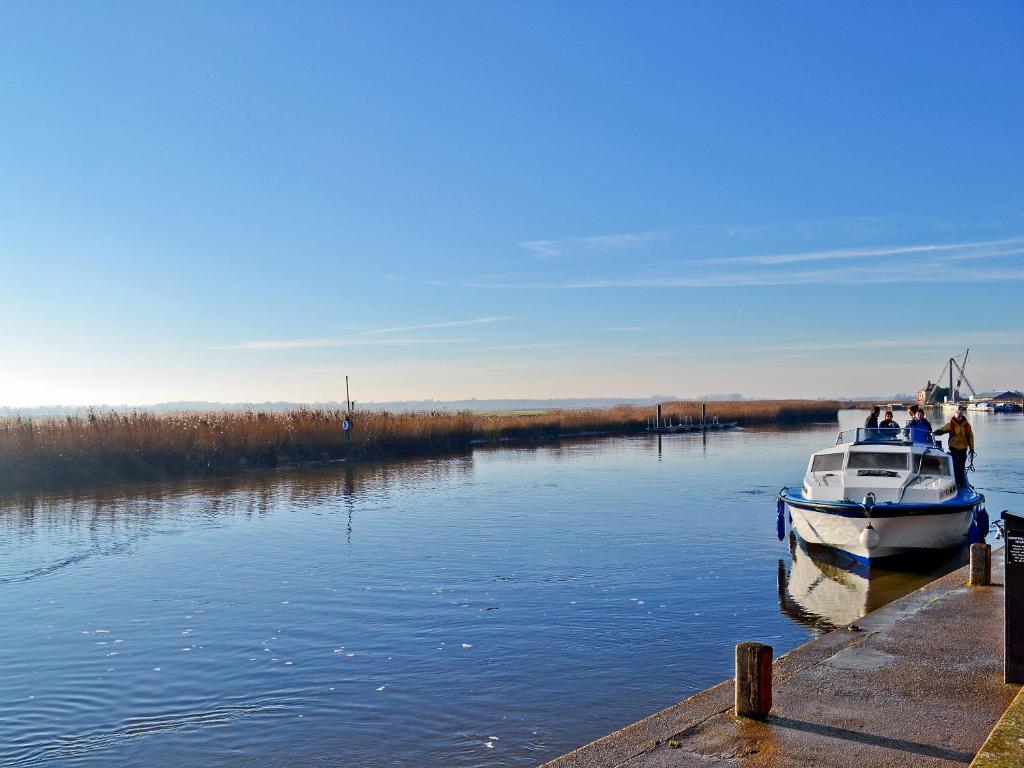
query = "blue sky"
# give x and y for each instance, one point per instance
(247, 201)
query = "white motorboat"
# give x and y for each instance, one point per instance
(980, 405)
(883, 492)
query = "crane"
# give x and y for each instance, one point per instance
(953, 366)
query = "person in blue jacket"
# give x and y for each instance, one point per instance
(919, 426)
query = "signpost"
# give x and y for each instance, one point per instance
(1013, 595)
(346, 423)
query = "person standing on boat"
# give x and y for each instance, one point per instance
(961, 440)
(917, 416)
(911, 412)
(871, 422)
(919, 427)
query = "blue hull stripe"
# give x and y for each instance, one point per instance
(847, 509)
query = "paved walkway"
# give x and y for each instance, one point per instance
(919, 684)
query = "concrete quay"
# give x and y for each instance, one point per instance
(918, 682)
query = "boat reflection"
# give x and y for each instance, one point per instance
(824, 589)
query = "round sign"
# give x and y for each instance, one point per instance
(345, 424)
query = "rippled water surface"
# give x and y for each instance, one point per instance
(493, 609)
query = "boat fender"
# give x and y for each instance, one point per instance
(981, 517)
(979, 527)
(869, 537)
(780, 519)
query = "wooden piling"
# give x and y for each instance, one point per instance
(703, 414)
(753, 680)
(658, 417)
(981, 565)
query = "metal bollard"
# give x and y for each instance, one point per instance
(1013, 597)
(753, 680)
(981, 565)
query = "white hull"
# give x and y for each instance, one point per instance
(895, 534)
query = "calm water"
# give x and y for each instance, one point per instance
(487, 610)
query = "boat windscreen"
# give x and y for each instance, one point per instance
(934, 465)
(871, 460)
(827, 462)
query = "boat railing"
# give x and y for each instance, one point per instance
(885, 435)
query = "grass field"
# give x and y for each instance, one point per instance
(105, 447)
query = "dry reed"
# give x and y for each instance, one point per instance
(104, 447)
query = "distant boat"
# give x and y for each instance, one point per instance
(980, 405)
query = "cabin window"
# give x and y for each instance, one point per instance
(827, 462)
(864, 460)
(934, 465)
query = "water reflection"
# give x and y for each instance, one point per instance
(47, 533)
(825, 589)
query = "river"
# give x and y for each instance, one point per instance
(491, 609)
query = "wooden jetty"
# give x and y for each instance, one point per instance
(665, 426)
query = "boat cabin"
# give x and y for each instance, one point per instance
(885, 462)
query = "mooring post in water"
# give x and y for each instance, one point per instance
(753, 680)
(981, 565)
(703, 415)
(657, 418)
(1013, 599)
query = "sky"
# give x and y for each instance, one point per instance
(248, 201)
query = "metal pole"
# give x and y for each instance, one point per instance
(348, 400)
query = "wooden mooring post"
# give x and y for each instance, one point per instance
(981, 566)
(753, 680)
(657, 418)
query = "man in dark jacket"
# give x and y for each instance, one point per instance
(871, 422)
(920, 418)
(889, 423)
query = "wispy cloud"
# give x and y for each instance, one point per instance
(274, 344)
(632, 328)
(366, 337)
(937, 273)
(813, 348)
(434, 326)
(549, 249)
(990, 261)
(863, 253)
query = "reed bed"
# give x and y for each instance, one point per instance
(108, 447)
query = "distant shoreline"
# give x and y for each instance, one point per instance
(55, 453)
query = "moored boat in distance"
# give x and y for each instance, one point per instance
(980, 405)
(883, 492)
